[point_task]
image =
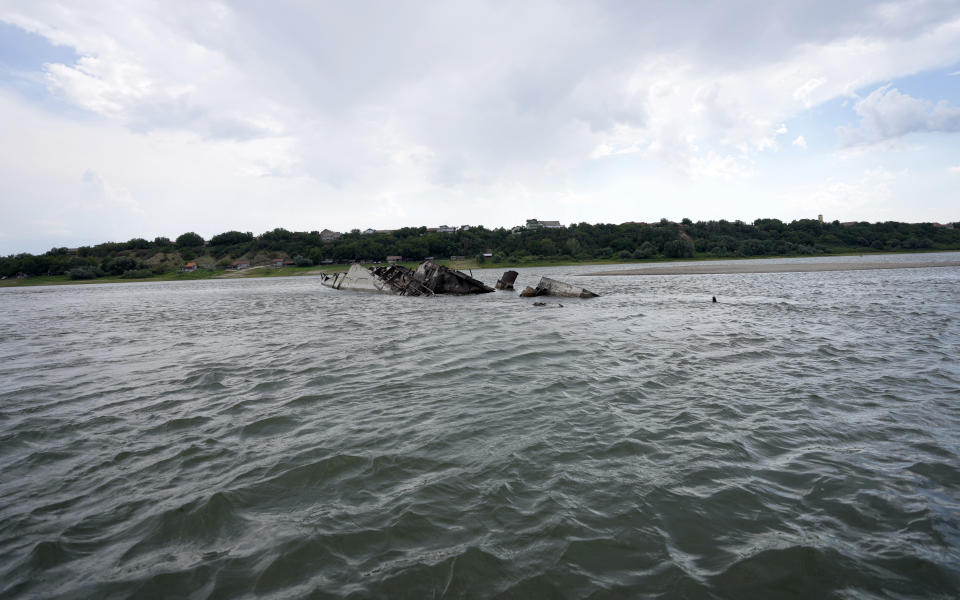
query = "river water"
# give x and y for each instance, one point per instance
(274, 438)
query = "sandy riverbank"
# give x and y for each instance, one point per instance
(749, 266)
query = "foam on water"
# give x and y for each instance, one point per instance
(275, 438)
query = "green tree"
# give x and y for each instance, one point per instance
(229, 238)
(84, 273)
(678, 249)
(189, 240)
(646, 250)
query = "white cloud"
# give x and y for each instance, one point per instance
(955, 169)
(804, 93)
(103, 195)
(874, 192)
(470, 111)
(802, 143)
(887, 113)
(725, 167)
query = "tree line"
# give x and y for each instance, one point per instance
(139, 257)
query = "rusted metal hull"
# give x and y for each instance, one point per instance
(444, 280)
(552, 287)
(506, 280)
(359, 279)
(427, 280)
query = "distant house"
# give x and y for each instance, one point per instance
(328, 236)
(488, 254)
(289, 263)
(537, 224)
(456, 258)
(240, 264)
(463, 227)
(393, 259)
(446, 229)
(190, 266)
(277, 262)
(368, 231)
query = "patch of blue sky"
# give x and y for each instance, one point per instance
(932, 86)
(22, 59)
(25, 51)
(818, 126)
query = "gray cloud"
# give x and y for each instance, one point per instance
(373, 106)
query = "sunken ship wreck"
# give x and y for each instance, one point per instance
(427, 280)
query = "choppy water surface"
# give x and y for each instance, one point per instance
(274, 438)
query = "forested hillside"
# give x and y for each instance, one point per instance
(764, 237)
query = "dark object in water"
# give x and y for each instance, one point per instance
(544, 304)
(444, 280)
(714, 298)
(506, 280)
(427, 280)
(552, 287)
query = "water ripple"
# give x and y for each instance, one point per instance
(800, 438)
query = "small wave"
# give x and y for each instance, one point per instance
(270, 426)
(180, 424)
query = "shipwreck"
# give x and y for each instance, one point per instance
(552, 287)
(427, 280)
(507, 280)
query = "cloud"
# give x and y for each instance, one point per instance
(955, 169)
(725, 167)
(802, 143)
(371, 114)
(254, 71)
(103, 194)
(887, 114)
(873, 192)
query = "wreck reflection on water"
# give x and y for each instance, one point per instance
(273, 437)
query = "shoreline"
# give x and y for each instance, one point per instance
(706, 265)
(747, 268)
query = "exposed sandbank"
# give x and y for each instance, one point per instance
(749, 266)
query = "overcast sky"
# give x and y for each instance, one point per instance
(146, 118)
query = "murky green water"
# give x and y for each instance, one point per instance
(274, 438)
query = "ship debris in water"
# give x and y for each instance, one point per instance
(428, 279)
(552, 287)
(506, 280)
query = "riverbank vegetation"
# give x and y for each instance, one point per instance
(282, 252)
